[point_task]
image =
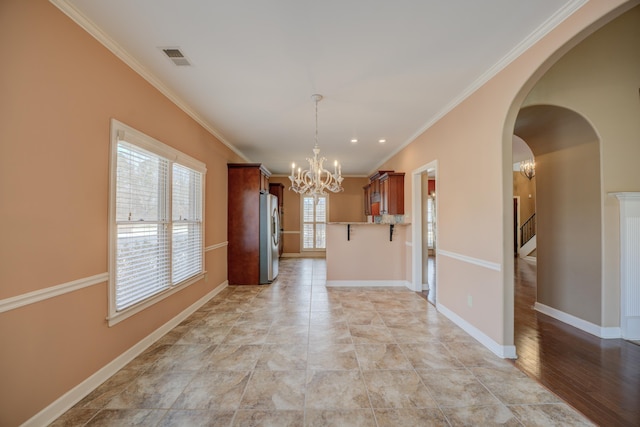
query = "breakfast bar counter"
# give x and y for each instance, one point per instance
(367, 254)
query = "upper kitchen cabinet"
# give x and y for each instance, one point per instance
(392, 193)
(384, 195)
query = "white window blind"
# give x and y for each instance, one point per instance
(430, 223)
(157, 211)
(187, 223)
(314, 218)
(142, 246)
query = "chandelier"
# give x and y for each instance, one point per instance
(528, 168)
(316, 181)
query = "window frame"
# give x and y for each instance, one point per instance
(302, 223)
(122, 132)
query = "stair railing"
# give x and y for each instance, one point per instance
(528, 230)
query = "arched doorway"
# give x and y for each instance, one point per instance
(568, 213)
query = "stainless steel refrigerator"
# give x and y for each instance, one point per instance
(269, 237)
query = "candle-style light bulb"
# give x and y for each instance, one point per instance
(335, 166)
(293, 168)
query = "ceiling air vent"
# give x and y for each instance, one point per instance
(176, 56)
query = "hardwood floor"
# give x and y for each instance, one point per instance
(600, 378)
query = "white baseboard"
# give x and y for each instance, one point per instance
(591, 328)
(73, 396)
(503, 351)
(369, 283)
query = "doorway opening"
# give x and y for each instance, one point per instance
(425, 231)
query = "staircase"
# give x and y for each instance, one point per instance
(528, 239)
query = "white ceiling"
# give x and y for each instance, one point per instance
(386, 69)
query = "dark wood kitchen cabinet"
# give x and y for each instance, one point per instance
(384, 194)
(245, 182)
(392, 193)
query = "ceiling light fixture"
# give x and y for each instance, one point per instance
(354, 141)
(316, 180)
(528, 168)
(382, 141)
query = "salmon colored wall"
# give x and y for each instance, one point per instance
(475, 211)
(59, 91)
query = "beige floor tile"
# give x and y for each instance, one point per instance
(283, 357)
(401, 319)
(234, 358)
(214, 390)
(332, 357)
(397, 389)
(549, 415)
(410, 417)
(288, 334)
(75, 417)
(431, 355)
(197, 418)
(296, 352)
(351, 418)
(204, 333)
(413, 334)
(127, 417)
(473, 354)
(381, 356)
(184, 357)
(492, 415)
(336, 390)
(327, 317)
(358, 317)
(520, 391)
(221, 319)
(100, 396)
(335, 334)
(363, 334)
(148, 357)
(275, 390)
(239, 335)
(456, 387)
(155, 389)
(358, 304)
(251, 418)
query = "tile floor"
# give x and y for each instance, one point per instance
(296, 353)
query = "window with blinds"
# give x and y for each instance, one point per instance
(431, 221)
(157, 211)
(314, 223)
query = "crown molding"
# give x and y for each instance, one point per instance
(90, 27)
(546, 27)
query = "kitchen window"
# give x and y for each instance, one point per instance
(156, 221)
(314, 223)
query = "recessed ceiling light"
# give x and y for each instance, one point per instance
(354, 141)
(382, 141)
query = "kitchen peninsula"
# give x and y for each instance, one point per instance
(368, 254)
